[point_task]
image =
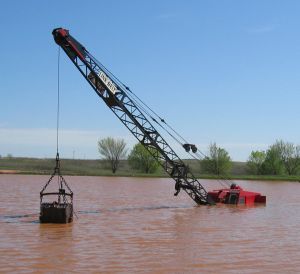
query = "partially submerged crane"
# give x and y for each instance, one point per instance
(115, 95)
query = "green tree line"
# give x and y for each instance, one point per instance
(281, 158)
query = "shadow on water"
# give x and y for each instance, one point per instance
(22, 218)
(34, 217)
(25, 218)
(120, 209)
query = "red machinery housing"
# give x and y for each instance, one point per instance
(236, 195)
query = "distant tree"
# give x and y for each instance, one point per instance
(256, 161)
(273, 163)
(290, 156)
(281, 158)
(140, 158)
(9, 156)
(112, 150)
(218, 162)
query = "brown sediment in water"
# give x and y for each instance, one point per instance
(136, 225)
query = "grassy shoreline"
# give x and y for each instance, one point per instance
(77, 167)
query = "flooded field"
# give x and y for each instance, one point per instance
(136, 225)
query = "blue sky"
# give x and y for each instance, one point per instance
(222, 71)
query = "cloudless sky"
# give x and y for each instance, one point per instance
(223, 71)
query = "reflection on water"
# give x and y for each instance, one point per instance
(127, 225)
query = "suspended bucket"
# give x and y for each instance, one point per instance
(59, 205)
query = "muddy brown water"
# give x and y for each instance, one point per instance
(136, 225)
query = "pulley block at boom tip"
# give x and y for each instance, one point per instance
(130, 113)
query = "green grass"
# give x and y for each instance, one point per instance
(101, 168)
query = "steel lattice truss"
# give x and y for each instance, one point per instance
(131, 116)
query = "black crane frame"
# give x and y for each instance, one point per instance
(131, 116)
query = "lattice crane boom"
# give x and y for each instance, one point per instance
(115, 96)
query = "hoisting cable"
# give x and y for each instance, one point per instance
(58, 95)
(57, 119)
(61, 210)
(61, 180)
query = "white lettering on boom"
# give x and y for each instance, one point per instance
(108, 83)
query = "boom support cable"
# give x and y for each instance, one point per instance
(140, 103)
(199, 154)
(146, 109)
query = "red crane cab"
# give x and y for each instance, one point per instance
(236, 195)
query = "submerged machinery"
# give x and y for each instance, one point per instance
(236, 195)
(133, 113)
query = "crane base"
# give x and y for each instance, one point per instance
(237, 196)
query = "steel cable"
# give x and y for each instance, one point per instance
(58, 95)
(143, 108)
